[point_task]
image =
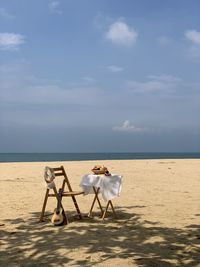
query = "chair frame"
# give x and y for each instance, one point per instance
(60, 171)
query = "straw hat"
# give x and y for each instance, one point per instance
(99, 169)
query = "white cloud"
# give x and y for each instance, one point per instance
(5, 14)
(40, 100)
(114, 68)
(120, 33)
(164, 78)
(10, 41)
(193, 36)
(127, 127)
(48, 94)
(19, 86)
(54, 7)
(160, 83)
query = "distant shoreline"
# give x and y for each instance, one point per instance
(50, 157)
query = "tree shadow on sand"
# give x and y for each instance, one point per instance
(144, 243)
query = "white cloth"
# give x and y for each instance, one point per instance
(110, 186)
(49, 177)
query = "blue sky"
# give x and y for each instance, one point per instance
(99, 76)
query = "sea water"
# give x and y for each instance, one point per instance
(37, 157)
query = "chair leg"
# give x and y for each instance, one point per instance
(70, 189)
(44, 205)
(77, 207)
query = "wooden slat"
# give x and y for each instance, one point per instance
(68, 194)
(59, 174)
(57, 169)
(73, 193)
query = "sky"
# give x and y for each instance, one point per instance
(99, 76)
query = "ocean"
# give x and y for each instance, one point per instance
(42, 157)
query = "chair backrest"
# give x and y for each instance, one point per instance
(60, 171)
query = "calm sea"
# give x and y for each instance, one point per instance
(37, 157)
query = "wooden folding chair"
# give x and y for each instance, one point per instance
(69, 193)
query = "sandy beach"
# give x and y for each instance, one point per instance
(158, 220)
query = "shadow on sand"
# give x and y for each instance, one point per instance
(145, 243)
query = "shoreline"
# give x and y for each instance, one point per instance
(106, 160)
(98, 160)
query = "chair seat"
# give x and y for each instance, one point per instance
(69, 194)
(73, 193)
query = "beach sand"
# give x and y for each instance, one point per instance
(158, 220)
